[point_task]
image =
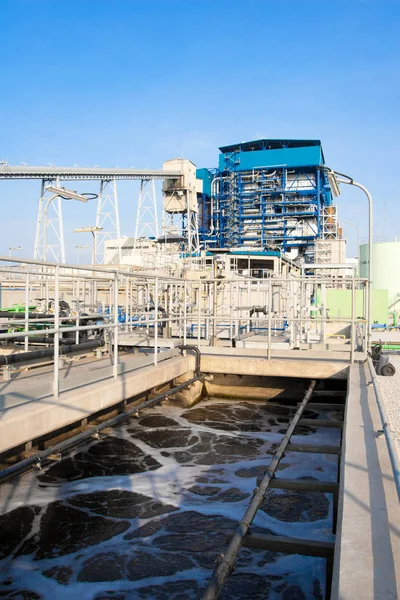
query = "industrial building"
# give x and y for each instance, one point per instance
(268, 194)
(266, 198)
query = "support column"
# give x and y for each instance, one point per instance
(147, 217)
(107, 218)
(49, 238)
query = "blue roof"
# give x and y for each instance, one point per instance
(266, 144)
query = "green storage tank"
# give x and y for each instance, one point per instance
(386, 268)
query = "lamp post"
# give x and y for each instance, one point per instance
(80, 247)
(93, 231)
(335, 179)
(11, 248)
(65, 194)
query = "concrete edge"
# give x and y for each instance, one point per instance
(242, 365)
(39, 417)
(339, 519)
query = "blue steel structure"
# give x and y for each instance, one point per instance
(265, 193)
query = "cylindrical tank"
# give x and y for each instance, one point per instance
(386, 266)
(276, 299)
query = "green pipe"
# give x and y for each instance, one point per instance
(391, 346)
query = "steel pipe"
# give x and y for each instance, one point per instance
(227, 560)
(12, 359)
(391, 444)
(195, 349)
(38, 458)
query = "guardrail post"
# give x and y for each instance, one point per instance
(26, 342)
(184, 312)
(115, 328)
(237, 292)
(126, 304)
(248, 303)
(156, 322)
(56, 383)
(214, 311)
(269, 318)
(198, 314)
(353, 327)
(131, 303)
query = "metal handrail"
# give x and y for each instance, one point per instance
(40, 457)
(119, 287)
(391, 444)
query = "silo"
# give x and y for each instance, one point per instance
(386, 268)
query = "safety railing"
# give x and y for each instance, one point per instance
(136, 309)
(386, 429)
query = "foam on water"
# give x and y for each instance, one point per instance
(145, 511)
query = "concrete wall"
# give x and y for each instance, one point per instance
(238, 361)
(43, 415)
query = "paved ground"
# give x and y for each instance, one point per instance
(390, 388)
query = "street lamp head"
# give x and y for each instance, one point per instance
(333, 182)
(88, 229)
(66, 194)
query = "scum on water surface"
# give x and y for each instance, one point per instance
(144, 512)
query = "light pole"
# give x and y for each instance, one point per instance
(11, 248)
(93, 231)
(80, 247)
(65, 194)
(334, 179)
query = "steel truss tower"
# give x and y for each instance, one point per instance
(49, 238)
(147, 217)
(107, 217)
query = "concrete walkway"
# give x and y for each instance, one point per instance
(32, 411)
(367, 554)
(37, 383)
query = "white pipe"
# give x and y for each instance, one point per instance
(370, 228)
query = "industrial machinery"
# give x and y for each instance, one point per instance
(268, 193)
(380, 360)
(41, 318)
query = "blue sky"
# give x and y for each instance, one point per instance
(133, 83)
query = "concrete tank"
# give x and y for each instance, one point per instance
(386, 266)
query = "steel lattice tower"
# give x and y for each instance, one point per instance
(147, 217)
(49, 238)
(107, 217)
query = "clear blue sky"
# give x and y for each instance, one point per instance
(133, 83)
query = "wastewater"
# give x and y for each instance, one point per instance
(145, 511)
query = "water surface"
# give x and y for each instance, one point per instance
(144, 512)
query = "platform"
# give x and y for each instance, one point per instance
(30, 410)
(367, 557)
